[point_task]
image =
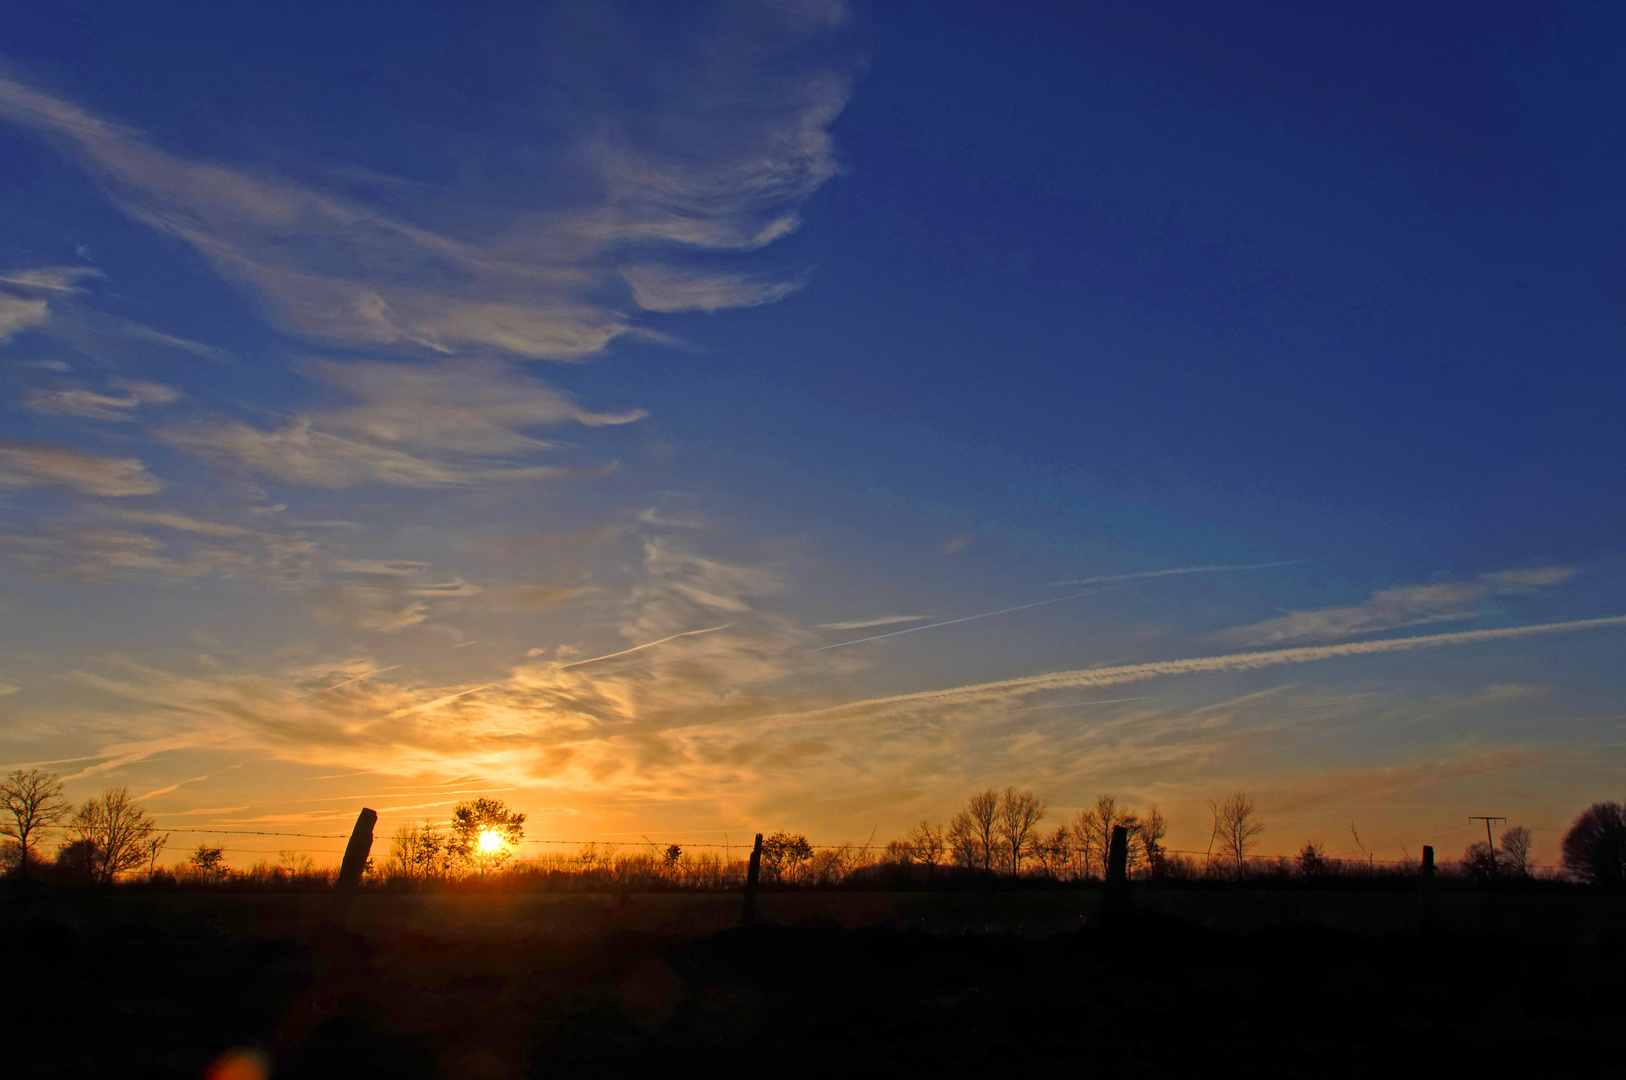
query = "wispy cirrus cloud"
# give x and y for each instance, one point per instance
(1389, 609)
(18, 314)
(41, 465)
(128, 396)
(413, 426)
(22, 307)
(738, 139)
(657, 288)
(864, 624)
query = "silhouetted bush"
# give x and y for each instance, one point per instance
(1595, 846)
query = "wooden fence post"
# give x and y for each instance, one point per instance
(350, 871)
(749, 911)
(1114, 898)
(1425, 892)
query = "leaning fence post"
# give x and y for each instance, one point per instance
(749, 910)
(355, 861)
(1114, 898)
(1425, 892)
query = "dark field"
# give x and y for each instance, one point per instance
(1198, 982)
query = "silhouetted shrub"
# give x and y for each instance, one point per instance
(1595, 846)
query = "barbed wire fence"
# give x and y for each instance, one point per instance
(614, 847)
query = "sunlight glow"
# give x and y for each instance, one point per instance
(490, 842)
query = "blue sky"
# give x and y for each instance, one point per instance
(526, 400)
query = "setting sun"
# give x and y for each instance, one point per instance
(490, 842)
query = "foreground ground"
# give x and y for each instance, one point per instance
(482, 986)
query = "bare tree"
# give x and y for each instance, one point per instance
(1149, 838)
(1019, 815)
(926, 844)
(1515, 845)
(418, 853)
(973, 834)
(1095, 826)
(117, 828)
(483, 831)
(1055, 853)
(296, 864)
(34, 801)
(1237, 825)
(153, 848)
(1084, 839)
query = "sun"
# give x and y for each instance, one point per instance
(490, 842)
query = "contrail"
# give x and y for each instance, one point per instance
(646, 645)
(962, 618)
(1179, 570)
(1058, 599)
(438, 702)
(1129, 673)
(363, 675)
(1076, 704)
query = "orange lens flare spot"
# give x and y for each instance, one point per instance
(240, 1063)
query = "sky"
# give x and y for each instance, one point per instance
(685, 421)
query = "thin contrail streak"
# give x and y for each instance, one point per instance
(1179, 570)
(646, 645)
(1128, 673)
(438, 702)
(962, 618)
(1076, 704)
(363, 675)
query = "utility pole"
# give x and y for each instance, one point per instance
(1490, 845)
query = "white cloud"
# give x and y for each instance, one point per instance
(36, 465)
(17, 315)
(739, 140)
(1131, 673)
(1388, 609)
(656, 288)
(414, 426)
(77, 401)
(61, 279)
(864, 624)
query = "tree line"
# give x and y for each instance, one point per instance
(995, 834)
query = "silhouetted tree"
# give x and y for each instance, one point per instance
(153, 848)
(1479, 862)
(973, 832)
(1312, 861)
(1515, 846)
(783, 854)
(34, 802)
(1149, 839)
(1237, 825)
(1055, 853)
(418, 853)
(118, 829)
(1093, 830)
(671, 858)
(473, 822)
(1019, 815)
(76, 860)
(1595, 845)
(927, 844)
(208, 862)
